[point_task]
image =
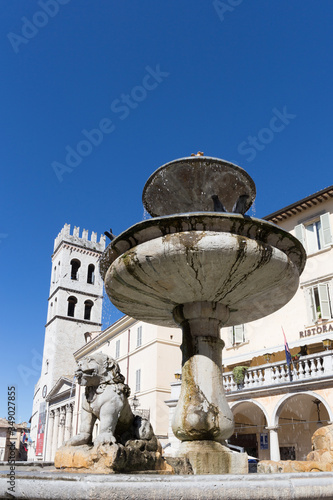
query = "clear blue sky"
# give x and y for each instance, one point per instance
(250, 83)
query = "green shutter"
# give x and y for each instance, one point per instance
(326, 228)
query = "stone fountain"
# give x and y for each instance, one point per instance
(200, 264)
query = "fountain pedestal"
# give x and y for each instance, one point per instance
(202, 411)
(203, 419)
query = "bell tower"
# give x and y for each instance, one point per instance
(75, 300)
(74, 308)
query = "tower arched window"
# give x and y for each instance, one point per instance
(72, 301)
(75, 266)
(87, 309)
(91, 274)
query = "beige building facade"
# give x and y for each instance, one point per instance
(12, 446)
(277, 409)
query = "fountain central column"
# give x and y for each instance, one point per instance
(203, 419)
(202, 411)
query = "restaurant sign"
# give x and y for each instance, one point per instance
(324, 328)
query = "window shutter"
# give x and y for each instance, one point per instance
(311, 238)
(326, 228)
(324, 301)
(299, 233)
(138, 380)
(239, 334)
(311, 305)
(139, 336)
(231, 335)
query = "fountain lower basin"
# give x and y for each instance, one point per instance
(250, 266)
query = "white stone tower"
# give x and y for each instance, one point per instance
(74, 309)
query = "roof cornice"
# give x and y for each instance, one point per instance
(110, 332)
(300, 206)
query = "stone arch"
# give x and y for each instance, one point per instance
(75, 266)
(296, 417)
(234, 404)
(313, 394)
(251, 421)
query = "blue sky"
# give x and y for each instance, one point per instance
(247, 81)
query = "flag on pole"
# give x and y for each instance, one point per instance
(24, 440)
(286, 349)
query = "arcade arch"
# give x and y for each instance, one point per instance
(251, 420)
(296, 417)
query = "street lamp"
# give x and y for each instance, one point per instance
(268, 356)
(178, 375)
(327, 344)
(135, 402)
(317, 403)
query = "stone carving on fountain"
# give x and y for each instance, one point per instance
(199, 265)
(125, 442)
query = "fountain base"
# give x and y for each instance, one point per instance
(211, 457)
(112, 458)
(61, 485)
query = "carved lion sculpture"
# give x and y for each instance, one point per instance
(106, 399)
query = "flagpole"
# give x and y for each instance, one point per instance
(288, 355)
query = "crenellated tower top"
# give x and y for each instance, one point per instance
(92, 243)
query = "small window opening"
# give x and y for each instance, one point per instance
(87, 309)
(91, 274)
(75, 266)
(72, 301)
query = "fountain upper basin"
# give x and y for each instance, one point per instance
(248, 265)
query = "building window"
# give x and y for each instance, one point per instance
(315, 234)
(75, 266)
(138, 380)
(46, 367)
(87, 309)
(91, 274)
(72, 301)
(236, 335)
(117, 348)
(87, 337)
(139, 336)
(319, 302)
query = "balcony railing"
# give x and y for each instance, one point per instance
(309, 367)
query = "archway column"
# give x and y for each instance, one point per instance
(68, 421)
(274, 448)
(48, 450)
(55, 432)
(61, 426)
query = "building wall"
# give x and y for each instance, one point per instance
(289, 412)
(266, 334)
